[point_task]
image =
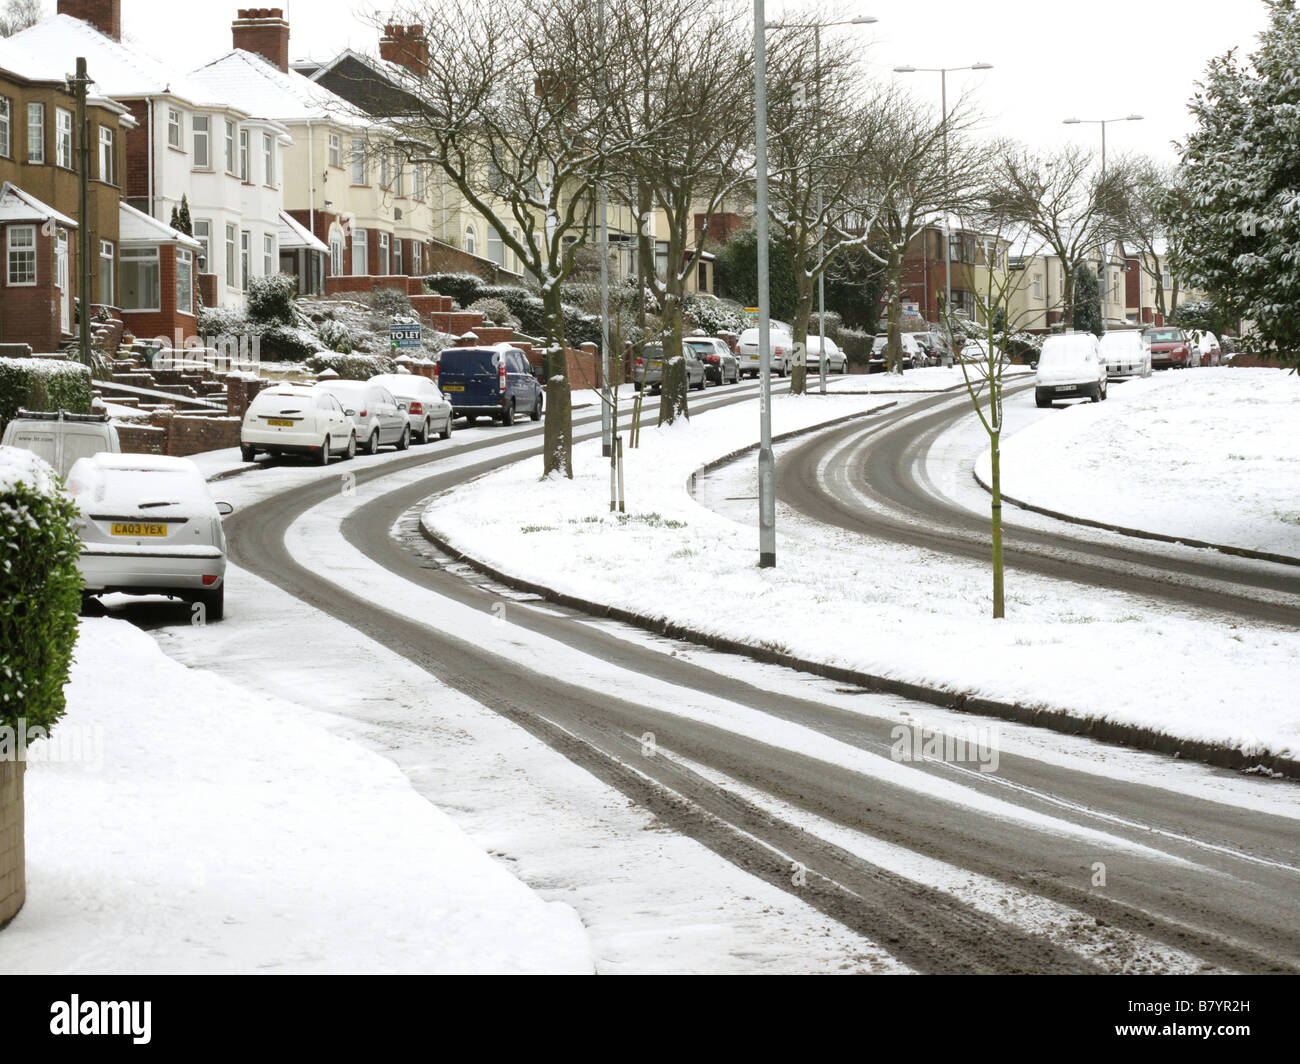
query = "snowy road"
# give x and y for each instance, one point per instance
(1044, 866)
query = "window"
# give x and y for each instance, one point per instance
(230, 147)
(417, 258)
(383, 254)
(6, 124)
(243, 156)
(36, 132)
(201, 125)
(203, 234)
(385, 170)
(397, 255)
(22, 254)
(661, 258)
(1038, 286)
(359, 251)
(63, 138)
(106, 272)
(268, 255)
(107, 156)
(397, 176)
(231, 280)
(519, 263)
(471, 240)
(358, 161)
(496, 249)
(245, 253)
(268, 158)
(184, 281)
(336, 255)
(141, 279)
(335, 151)
(417, 179)
(175, 133)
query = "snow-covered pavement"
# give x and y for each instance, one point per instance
(1208, 454)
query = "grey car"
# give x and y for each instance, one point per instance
(720, 364)
(650, 368)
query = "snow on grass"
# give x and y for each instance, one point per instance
(226, 831)
(850, 601)
(925, 379)
(1208, 454)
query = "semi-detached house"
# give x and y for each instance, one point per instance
(226, 162)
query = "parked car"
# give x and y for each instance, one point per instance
(650, 368)
(782, 351)
(379, 418)
(495, 382)
(938, 344)
(836, 360)
(1127, 353)
(720, 363)
(1170, 347)
(427, 409)
(297, 419)
(1070, 366)
(149, 527)
(61, 438)
(1208, 343)
(911, 352)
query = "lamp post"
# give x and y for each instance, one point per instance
(1103, 253)
(816, 27)
(943, 73)
(766, 464)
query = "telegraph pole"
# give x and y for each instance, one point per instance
(79, 83)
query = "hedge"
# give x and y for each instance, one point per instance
(351, 367)
(43, 384)
(40, 589)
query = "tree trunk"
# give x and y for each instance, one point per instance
(672, 390)
(557, 452)
(802, 315)
(894, 361)
(999, 604)
(1067, 281)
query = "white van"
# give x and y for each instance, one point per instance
(61, 438)
(1070, 367)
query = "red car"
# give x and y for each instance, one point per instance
(1170, 348)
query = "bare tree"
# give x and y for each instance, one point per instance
(515, 112)
(690, 114)
(18, 15)
(1144, 192)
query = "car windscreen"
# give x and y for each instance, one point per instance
(1165, 336)
(468, 362)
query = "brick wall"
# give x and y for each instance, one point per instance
(13, 882)
(30, 314)
(136, 186)
(142, 439)
(105, 15)
(443, 258)
(192, 433)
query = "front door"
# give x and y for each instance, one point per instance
(61, 279)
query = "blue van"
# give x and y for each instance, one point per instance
(495, 382)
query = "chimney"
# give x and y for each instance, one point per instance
(406, 46)
(104, 15)
(263, 30)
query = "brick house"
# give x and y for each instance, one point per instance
(159, 283)
(35, 286)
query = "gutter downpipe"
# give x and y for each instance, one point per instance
(148, 103)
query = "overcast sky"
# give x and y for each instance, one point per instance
(1052, 60)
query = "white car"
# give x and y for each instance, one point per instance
(149, 527)
(296, 419)
(1211, 351)
(782, 351)
(836, 360)
(1070, 367)
(1127, 353)
(375, 412)
(427, 410)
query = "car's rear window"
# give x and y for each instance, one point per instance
(277, 400)
(468, 361)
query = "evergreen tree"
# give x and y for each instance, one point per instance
(737, 274)
(181, 218)
(1238, 225)
(1087, 299)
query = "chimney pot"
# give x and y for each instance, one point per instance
(263, 30)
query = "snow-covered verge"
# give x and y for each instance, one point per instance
(874, 607)
(925, 379)
(1209, 455)
(218, 830)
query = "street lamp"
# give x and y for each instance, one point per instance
(816, 27)
(1104, 122)
(766, 464)
(943, 73)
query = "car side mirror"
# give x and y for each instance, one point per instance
(402, 406)
(350, 413)
(225, 509)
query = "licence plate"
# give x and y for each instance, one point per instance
(656, 365)
(129, 528)
(280, 422)
(1065, 387)
(453, 387)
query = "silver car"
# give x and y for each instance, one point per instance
(427, 409)
(781, 351)
(836, 360)
(379, 418)
(650, 368)
(720, 365)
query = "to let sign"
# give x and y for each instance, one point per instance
(404, 335)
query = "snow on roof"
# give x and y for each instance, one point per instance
(136, 227)
(19, 206)
(120, 68)
(254, 85)
(294, 235)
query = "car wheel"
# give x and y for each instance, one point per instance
(1105, 390)
(214, 603)
(404, 440)
(423, 435)
(1042, 401)
(372, 444)
(324, 457)
(351, 452)
(536, 414)
(446, 431)
(247, 453)
(508, 414)
(1096, 394)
